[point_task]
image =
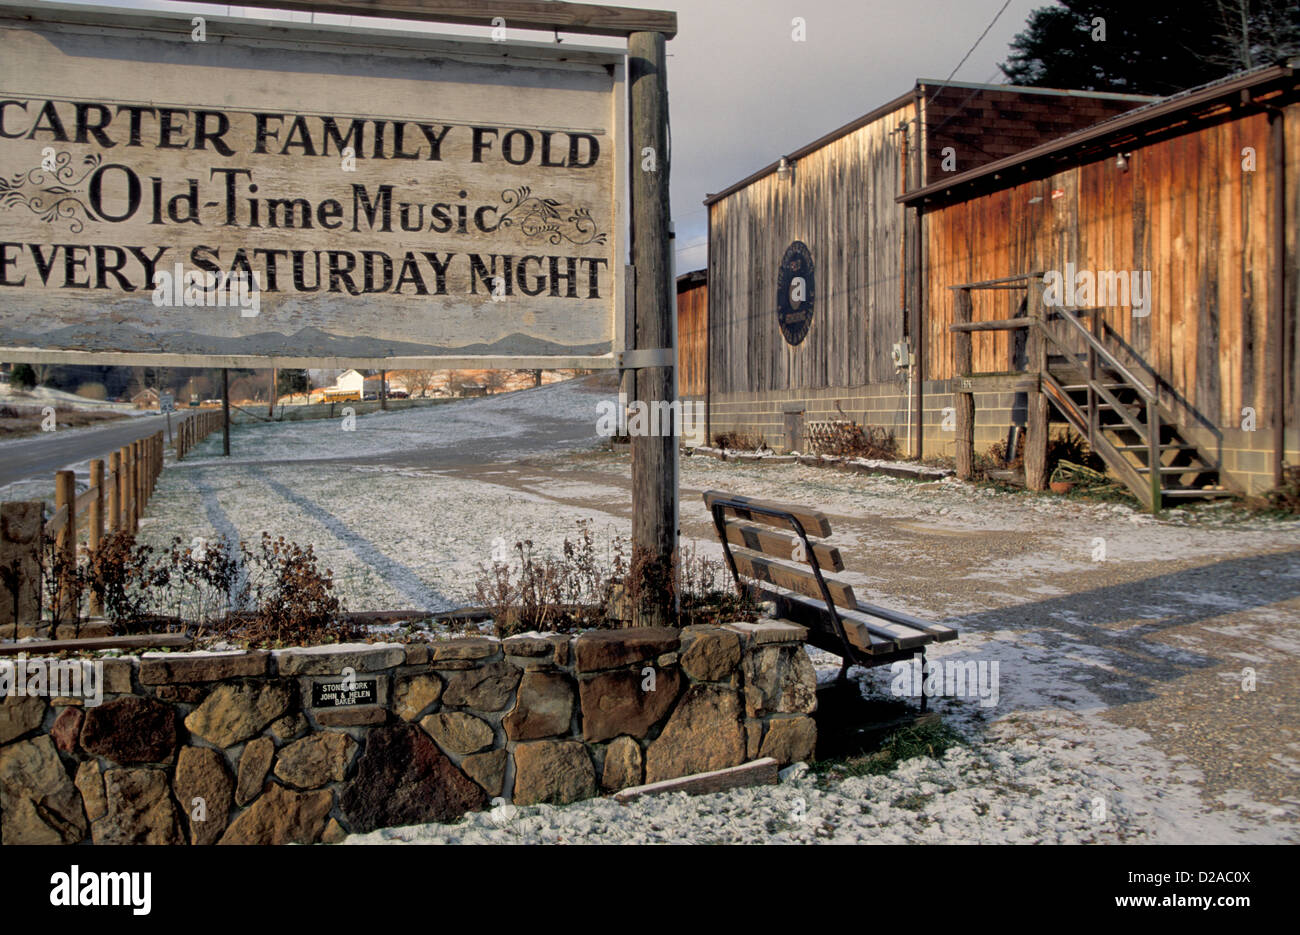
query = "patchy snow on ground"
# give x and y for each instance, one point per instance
(1121, 639)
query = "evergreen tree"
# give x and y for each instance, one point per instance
(1154, 47)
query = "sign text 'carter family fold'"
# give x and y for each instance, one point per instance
(419, 203)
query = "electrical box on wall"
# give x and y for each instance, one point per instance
(902, 354)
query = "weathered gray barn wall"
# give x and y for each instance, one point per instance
(840, 199)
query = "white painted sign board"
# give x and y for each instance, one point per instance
(307, 196)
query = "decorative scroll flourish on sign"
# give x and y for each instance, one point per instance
(547, 217)
(53, 199)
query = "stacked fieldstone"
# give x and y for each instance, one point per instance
(253, 747)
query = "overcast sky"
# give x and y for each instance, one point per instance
(743, 92)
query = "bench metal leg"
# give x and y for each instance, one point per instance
(923, 698)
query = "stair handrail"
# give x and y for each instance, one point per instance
(1170, 395)
(1111, 360)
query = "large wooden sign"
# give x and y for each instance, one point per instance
(276, 193)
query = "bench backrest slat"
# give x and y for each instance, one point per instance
(754, 565)
(814, 523)
(781, 545)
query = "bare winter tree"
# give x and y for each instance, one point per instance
(496, 380)
(1256, 32)
(422, 380)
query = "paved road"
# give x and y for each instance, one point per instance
(49, 452)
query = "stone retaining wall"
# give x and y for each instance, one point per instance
(305, 745)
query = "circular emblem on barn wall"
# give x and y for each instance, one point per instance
(794, 293)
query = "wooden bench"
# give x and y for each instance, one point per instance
(772, 565)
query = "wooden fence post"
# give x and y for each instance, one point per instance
(965, 402)
(225, 411)
(133, 484)
(124, 489)
(1037, 425)
(95, 534)
(65, 542)
(115, 492)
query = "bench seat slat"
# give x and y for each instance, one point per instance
(887, 636)
(812, 614)
(941, 633)
(814, 523)
(780, 545)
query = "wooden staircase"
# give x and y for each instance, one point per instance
(1123, 416)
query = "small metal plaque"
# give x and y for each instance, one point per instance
(344, 693)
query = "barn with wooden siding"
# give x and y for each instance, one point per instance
(1196, 390)
(838, 196)
(1196, 195)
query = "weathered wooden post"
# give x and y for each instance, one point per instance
(654, 491)
(965, 401)
(134, 448)
(65, 541)
(1036, 417)
(124, 489)
(383, 389)
(95, 534)
(225, 411)
(115, 491)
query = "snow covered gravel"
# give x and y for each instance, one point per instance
(1120, 686)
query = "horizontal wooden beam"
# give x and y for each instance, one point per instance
(997, 383)
(141, 641)
(589, 19)
(998, 283)
(56, 522)
(997, 324)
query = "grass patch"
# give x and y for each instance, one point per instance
(928, 738)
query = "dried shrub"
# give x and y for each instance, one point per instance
(847, 439)
(708, 593)
(571, 591)
(122, 573)
(292, 597)
(582, 589)
(273, 596)
(739, 441)
(1284, 499)
(1068, 446)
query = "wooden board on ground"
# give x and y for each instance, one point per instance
(141, 641)
(814, 523)
(756, 773)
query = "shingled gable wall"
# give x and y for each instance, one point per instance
(245, 747)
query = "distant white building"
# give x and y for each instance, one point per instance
(351, 381)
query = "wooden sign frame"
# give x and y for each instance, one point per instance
(384, 45)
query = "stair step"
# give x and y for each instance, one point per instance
(1181, 446)
(1191, 492)
(1175, 469)
(1109, 386)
